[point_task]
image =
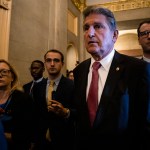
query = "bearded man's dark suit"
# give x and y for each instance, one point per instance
(61, 129)
(121, 122)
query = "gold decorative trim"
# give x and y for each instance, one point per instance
(80, 4)
(126, 5)
(118, 5)
(4, 4)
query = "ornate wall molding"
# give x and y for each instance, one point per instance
(4, 4)
(127, 5)
(80, 4)
(118, 5)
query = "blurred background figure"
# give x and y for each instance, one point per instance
(143, 32)
(70, 75)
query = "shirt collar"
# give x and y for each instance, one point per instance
(146, 59)
(39, 80)
(56, 80)
(106, 61)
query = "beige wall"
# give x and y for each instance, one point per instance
(36, 26)
(127, 43)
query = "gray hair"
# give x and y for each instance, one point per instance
(103, 11)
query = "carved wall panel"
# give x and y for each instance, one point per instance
(119, 5)
(5, 11)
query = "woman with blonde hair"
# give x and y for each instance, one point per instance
(16, 109)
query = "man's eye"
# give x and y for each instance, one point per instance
(34, 68)
(85, 28)
(144, 33)
(98, 26)
(48, 60)
(56, 60)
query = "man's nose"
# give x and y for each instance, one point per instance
(91, 32)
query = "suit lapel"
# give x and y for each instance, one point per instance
(110, 85)
(84, 78)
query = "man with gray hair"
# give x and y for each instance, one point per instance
(112, 90)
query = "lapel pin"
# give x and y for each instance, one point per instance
(117, 69)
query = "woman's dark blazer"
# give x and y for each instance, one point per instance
(21, 109)
(122, 116)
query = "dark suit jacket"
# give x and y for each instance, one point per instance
(121, 121)
(27, 86)
(21, 110)
(61, 129)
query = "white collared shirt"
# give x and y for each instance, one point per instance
(39, 80)
(102, 71)
(146, 59)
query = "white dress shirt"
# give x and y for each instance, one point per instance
(102, 71)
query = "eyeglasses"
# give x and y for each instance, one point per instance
(144, 33)
(4, 72)
(55, 60)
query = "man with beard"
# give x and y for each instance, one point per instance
(55, 129)
(144, 39)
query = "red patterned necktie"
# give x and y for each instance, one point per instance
(92, 100)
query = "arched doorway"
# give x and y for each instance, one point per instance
(72, 57)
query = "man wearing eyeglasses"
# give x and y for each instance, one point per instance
(53, 113)
(144, 39)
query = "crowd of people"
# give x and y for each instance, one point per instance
(104, 102)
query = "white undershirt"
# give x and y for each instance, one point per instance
(102, 71)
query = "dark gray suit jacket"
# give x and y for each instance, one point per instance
(122, 121)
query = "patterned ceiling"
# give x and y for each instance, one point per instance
(128, 13)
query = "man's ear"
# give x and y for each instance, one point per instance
(115, 36)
